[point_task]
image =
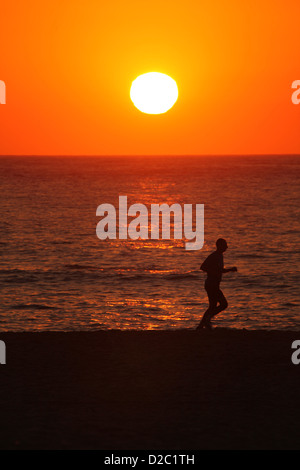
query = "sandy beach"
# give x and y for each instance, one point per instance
(225, 389)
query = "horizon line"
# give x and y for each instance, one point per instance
(158, 155)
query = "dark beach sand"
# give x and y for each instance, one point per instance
(225, 389)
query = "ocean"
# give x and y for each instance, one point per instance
(55, 274)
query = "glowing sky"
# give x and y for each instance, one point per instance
(68, 66)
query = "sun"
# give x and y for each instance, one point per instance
(154, 93)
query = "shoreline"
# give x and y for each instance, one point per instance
(175, 389)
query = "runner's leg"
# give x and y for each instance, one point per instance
(213, 300)
(221, 299)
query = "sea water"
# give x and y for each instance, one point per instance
(55, 273)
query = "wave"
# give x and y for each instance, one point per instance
(80, 266)
(178, 276)
(75, 272)
(249, 255)
(34, 306)
(62, 243)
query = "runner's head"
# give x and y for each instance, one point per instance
(221, 245)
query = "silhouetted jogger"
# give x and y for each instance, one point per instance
(214, 267)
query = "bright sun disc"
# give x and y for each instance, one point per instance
(154, 93)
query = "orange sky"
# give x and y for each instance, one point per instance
(68, 66)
